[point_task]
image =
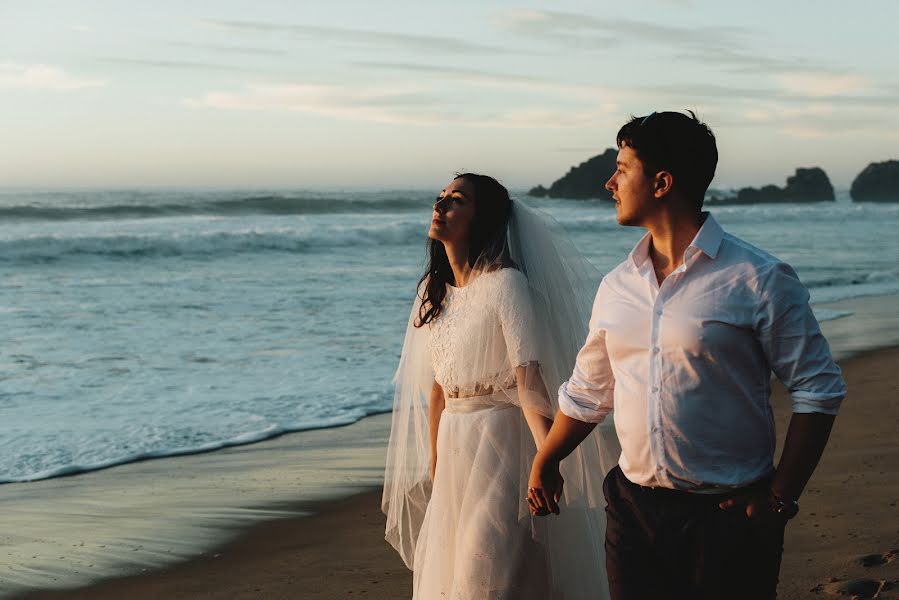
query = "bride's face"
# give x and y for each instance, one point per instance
(453, 213)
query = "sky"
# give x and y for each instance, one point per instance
(398, 95)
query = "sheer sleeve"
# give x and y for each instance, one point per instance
(516, 315)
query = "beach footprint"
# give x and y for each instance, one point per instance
(859, 589)
(865, 588)
(877, 560)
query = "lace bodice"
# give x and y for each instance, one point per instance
(486, 329)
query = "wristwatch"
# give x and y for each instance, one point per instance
(786, 508)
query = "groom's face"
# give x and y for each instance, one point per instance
(631, 189)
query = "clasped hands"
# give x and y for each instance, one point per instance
(544, 487)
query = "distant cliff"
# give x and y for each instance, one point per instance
(806, 185)
(583, 182)
(878, 182)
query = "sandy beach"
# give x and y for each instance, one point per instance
(277, 532)
(146, 516)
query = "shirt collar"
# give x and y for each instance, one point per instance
(640, 253)
(709, 237)
(708, 241)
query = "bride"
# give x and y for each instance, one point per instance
(499, 316)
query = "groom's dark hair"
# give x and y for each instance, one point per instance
(674, 142)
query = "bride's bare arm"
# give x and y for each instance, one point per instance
(436, 404)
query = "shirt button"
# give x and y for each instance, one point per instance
(659, 468)
(655, 389)
(659, 312)
(655, 350)
(655, 429)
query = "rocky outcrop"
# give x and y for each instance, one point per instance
(878, 182)
(806, 185)
(809, 185)
(583, 182)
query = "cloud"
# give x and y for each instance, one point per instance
(820, 120)
(822, 85)
(179, 65)
(762, 83)
(394, 104)
(691, 92)
(582, 149)
(800, 112)
(565, 91)
(724, 47)
(743, 62)
(817, 120)
(382, 105)
(480, 77)
(807, 132)
(221, 48)
(360, 37)
(585, 30)
(547, 118)
(41, 77)
(782, 96)
(443, 72)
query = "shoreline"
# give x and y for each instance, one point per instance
(214, 447)
(143, 521)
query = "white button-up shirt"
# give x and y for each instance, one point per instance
(686, 365)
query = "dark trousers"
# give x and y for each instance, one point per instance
(663, 543)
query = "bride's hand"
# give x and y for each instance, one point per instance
(544, 487)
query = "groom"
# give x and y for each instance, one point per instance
(684, 337)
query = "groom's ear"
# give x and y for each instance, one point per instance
(662, 184)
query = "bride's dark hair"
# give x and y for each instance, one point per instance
(487, 244)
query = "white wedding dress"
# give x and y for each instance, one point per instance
(476, 540)
(496, 342)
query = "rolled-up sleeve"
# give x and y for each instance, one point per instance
(794, 346)
(589, 394)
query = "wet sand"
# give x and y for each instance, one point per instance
(338, 553)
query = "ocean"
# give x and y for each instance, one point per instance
(142, 324)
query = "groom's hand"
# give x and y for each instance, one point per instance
(544, 487)
(757, 504)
